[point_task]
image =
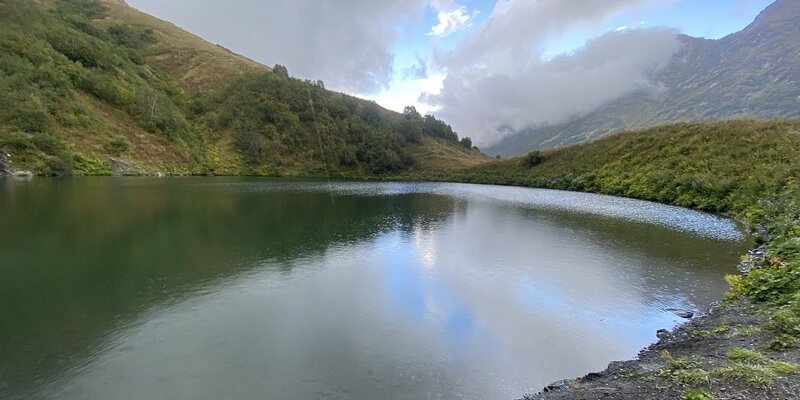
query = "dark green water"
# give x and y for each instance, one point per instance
(266, 289)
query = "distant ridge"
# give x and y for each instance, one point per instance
(753, 73)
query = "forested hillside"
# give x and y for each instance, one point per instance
(96, 87)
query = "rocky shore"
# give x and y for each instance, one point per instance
(6, 169)
(723, 354)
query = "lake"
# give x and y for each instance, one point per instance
(234, 288)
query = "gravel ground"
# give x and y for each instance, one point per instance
(705, 342)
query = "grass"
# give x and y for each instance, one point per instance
(718, 330)
(746, 365)
(759, 376)
(747, 330)
(745, 355)
(198, 63)
(683, 371)
(754, 368)
(783, 368)
(692, 377)
(698, 394)
(437, 155)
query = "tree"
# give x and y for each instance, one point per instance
(466, 142)
(280, 71)
(411, 113)
(152, 104)
(533, 159)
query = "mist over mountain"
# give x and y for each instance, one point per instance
(752, 73)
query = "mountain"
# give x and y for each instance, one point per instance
(754, 73)
(97, 87)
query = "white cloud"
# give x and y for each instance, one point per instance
(497, 79)
(346, 43)
(494, 78)
(451, 21)
(407, 93)
(623, 28)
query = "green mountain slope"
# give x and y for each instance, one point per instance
(746, 169)
(725, 166)
(97, 87)
(753, 73)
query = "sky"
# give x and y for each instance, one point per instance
(487, 67)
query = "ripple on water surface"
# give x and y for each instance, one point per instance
(677, 218)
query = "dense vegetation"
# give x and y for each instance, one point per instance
(80, 84)
(48, 57)
(747, 169)
(272, 116)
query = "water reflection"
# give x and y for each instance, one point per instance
(251, 288)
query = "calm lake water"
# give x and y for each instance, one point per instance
(216, 288)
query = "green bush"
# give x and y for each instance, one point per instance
(698, 394)
(30, 118)
(253, 147)
(48, 144)
(533, 159)
(132, 36)
(117, 146)
(88, 9)
(57, 166)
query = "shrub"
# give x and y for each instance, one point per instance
(698, 394)
(132, 36)
(117, 145)
(89, 9)
(533, 159)
(48, 144)
(253, 147)
(57, 166)
(31, 119)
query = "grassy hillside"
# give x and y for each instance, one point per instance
(96, 87)
(747, 169)
(718, 166)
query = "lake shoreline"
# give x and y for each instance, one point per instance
(704, 343)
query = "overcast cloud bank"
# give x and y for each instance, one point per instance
(496, 78)
(346, 43)
(497, 81)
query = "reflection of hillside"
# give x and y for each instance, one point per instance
(646, 239)
(79, 257)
